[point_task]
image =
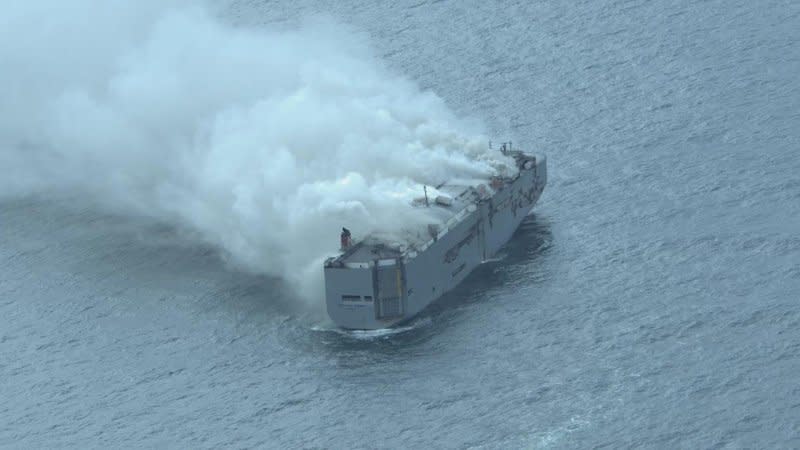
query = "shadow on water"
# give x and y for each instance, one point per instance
(117, 252)
(252, 298)
(114, 252)
(530, 244)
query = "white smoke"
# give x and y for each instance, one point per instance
(264, 143)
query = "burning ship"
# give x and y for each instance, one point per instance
(376, 283)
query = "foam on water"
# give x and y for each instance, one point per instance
(367, 335)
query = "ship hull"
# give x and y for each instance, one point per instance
(393, 290)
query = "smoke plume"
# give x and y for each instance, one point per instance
(262, 142)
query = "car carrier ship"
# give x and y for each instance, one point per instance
(376, 283)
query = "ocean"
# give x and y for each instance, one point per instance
(652, 299)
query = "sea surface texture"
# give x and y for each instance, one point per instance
(651, 300)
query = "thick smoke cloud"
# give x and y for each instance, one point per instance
(264, 143)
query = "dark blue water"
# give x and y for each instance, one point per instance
(652, 300)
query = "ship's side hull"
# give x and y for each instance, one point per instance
(386, 292)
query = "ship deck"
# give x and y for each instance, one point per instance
(462, 193)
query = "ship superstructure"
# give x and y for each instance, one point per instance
(376, 283)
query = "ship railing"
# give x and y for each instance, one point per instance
(448, 225)
(357, 265)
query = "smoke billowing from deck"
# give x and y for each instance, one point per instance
(262, 142)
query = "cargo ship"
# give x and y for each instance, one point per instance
(379, 283)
